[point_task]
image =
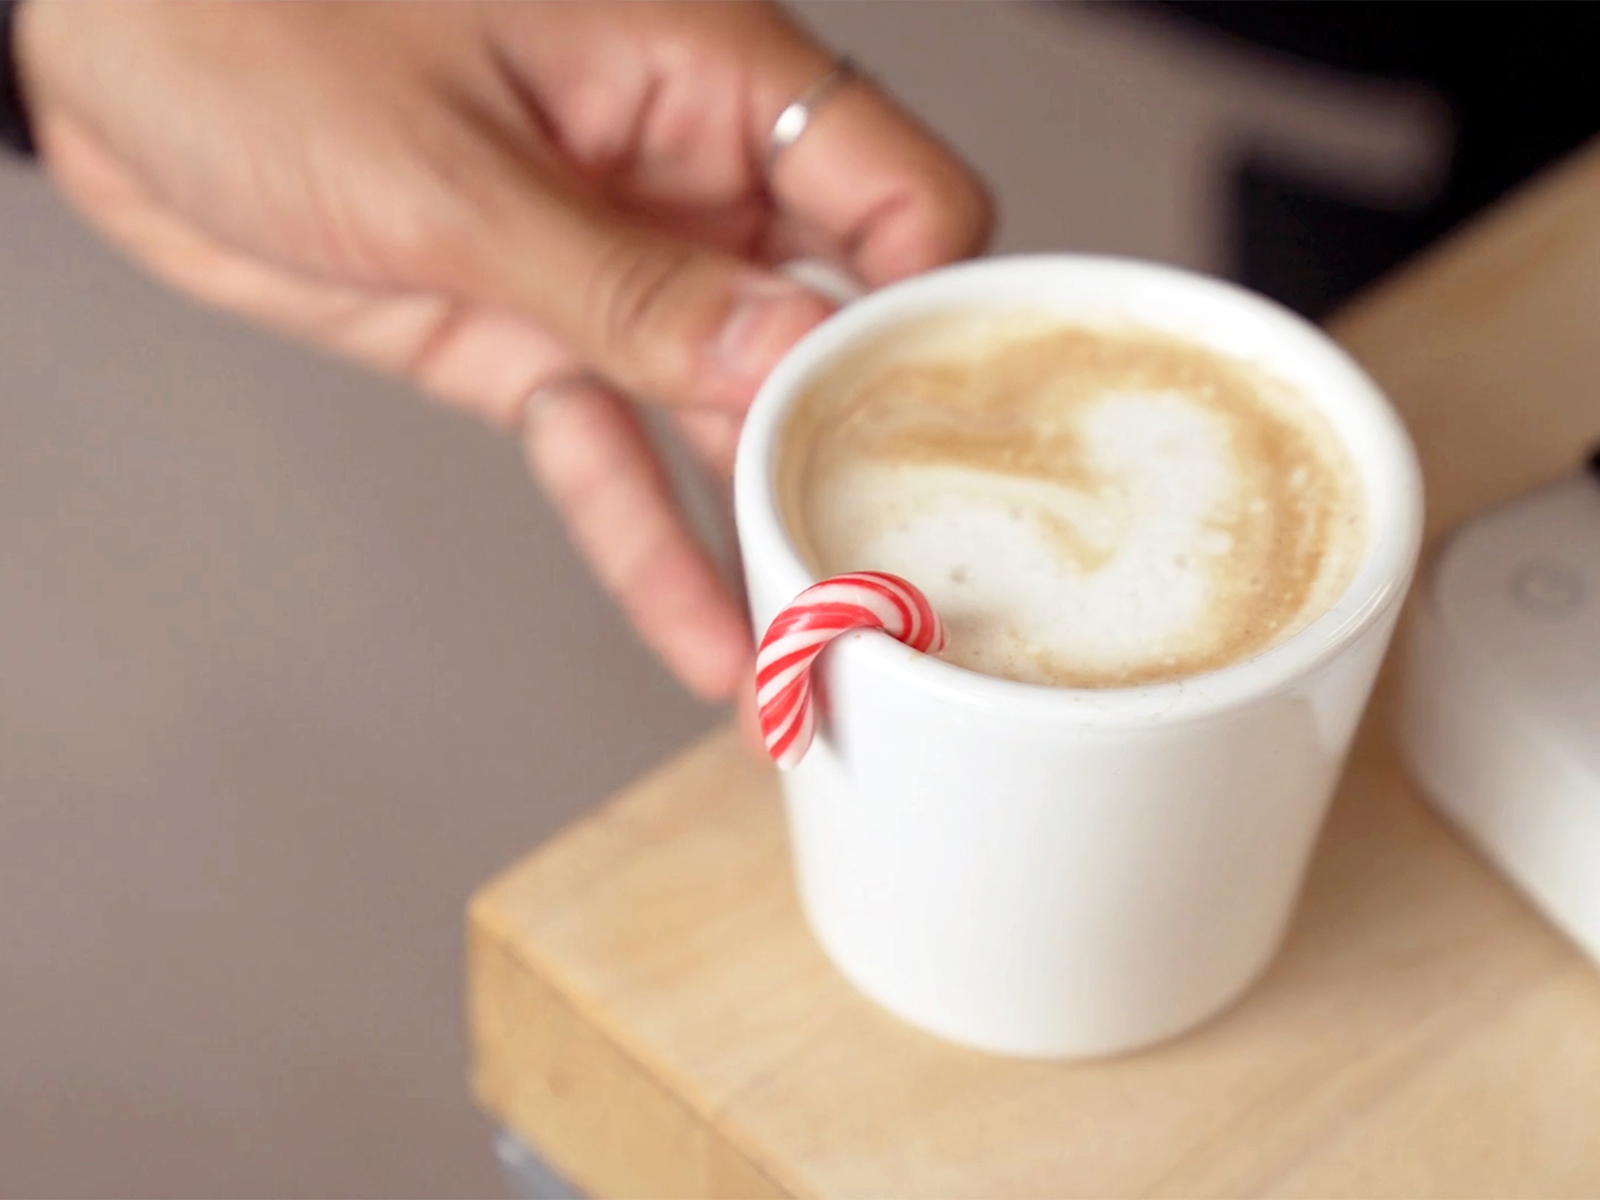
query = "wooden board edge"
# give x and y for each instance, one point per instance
(601, 1117)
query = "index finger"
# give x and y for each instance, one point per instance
(873, 180)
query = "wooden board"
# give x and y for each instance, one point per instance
(648, 1009)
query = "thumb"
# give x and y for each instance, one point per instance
(660, 317)
(687, 324)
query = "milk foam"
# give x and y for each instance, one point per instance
(1083, 508)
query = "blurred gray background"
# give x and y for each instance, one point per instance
(290, 660)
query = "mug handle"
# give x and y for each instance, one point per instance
(828, 279)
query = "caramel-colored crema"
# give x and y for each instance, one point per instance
(1002, 401)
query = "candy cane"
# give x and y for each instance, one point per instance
(861, 600)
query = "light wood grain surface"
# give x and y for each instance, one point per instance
(648, 1009)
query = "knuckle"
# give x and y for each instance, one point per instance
(963, 217)
(632, 283)
(436, 239)
(981, 216)
(436, 219)
(420, 239)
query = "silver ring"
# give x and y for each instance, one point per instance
(795, 119)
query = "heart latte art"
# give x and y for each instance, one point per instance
(1084, 507)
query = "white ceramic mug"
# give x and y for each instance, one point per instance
(1057, 872)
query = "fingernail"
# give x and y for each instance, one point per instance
(768, 316)
(552, 396)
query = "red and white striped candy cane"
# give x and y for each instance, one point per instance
(861, 600)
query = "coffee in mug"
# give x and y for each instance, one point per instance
(1085, 507)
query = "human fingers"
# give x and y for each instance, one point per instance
(866, 178)
(594, 459)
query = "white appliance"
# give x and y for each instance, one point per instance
(1501, 694)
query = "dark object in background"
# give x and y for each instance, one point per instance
(15, 133)
(1518, 78)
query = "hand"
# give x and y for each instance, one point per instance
(562, 202)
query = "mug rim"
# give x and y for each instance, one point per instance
(1387, 464)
